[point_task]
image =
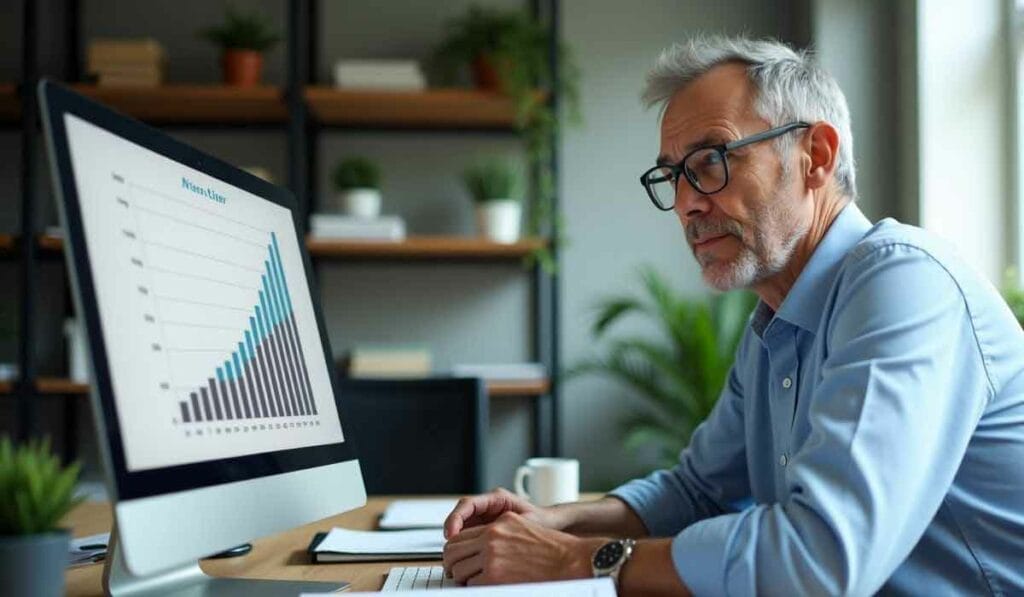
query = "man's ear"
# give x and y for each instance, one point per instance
(821, 146)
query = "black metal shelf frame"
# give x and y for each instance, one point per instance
(303, 133)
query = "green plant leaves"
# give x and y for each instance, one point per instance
(35, 490)
(242, 31)
(678, 372)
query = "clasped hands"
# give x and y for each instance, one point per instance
(499, 538)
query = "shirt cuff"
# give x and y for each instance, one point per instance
(658, 511)
(700, 556)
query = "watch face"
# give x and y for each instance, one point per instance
(608, 555)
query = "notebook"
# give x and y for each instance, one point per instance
(344, 545)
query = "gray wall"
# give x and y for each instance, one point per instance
(463, 312)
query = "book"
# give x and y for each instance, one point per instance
(394, 75)
(345, 545)
(342, 227)
(388, 362)
(416, 514)
(502, 371)
(103, 52)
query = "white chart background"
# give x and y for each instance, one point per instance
(177, 276)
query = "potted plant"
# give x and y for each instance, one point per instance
(495, 187)
(357, 182)
(508, 51)
(679, 374)
(243, 38)
(35, 494)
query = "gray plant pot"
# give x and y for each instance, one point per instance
(34, 564)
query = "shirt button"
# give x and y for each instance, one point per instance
(787, 383)
(783, 460)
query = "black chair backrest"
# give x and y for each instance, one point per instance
(418, 436)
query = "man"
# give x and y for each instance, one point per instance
(870, 436)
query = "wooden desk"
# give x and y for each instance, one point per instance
(281, 556)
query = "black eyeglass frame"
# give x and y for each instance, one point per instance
(723, 149)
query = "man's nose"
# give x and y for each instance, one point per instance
(689, 203)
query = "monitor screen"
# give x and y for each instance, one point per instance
(211, 335)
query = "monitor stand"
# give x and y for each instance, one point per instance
(190, 581)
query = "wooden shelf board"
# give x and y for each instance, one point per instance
(10, 104)
(50, 385)
(423, 247)
(518, 388)
(47, 243)
(213, 104)
(55, 385)
(433, 108)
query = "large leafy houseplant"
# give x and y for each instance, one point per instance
(36, 491)
(516, 48)
(680, 373)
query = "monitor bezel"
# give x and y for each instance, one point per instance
(56, 101)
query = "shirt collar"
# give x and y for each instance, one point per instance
(805, 301)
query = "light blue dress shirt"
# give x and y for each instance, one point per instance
(870, 436)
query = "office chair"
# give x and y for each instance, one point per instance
(418, 436)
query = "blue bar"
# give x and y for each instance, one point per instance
(280, 268)
(255, 334)
(272, 293)
(220, 374)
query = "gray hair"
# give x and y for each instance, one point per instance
(789, 87)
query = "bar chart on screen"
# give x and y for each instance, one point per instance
(205, 307)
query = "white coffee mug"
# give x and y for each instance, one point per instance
(549, 481)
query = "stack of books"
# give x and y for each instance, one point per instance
(502, 371)
(390, 75)
(388, 362)
(342, 227)
(126, 62)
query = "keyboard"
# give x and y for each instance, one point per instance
(413, 578)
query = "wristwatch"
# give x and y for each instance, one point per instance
(609, 559)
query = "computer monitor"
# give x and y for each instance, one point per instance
(213, 390)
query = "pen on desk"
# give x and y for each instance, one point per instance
(92, 546)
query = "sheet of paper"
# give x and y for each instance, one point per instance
(86, 550)
(426, 541)
(591, 587)
(416, 514)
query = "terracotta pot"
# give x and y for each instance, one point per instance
(242, 68)
(485, 74)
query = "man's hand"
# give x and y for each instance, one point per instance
(515, 549)
(484, 509)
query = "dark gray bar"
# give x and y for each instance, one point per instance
(224, 392)
(293, 366)
(246, 413)
(219, 397)
(271, 389)
(279, 341)
(216, 405)
(195, 407)
(275, 358)
(206, 405)
(185, 418)
(240, 382)
(254, 391)
(305, 370)
(293, 340)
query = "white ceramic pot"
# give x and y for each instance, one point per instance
(499, 219)
(361, 203)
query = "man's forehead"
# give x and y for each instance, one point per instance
(724, 94)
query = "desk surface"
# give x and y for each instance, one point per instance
(282, 556)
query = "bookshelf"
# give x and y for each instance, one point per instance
(302, 110)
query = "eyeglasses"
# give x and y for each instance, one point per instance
(705, 168)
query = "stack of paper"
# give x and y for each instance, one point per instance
(341, 227)
(86, 550)
(392, 75)
(344, 545)
(399, 361)
(416, 514)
